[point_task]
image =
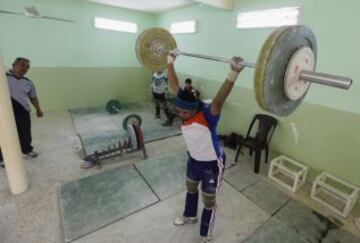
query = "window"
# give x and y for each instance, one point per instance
(268, 18)
(183, 27)
(110, 24)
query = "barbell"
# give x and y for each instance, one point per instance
(283, 72)
(113, 106)
(131, 119)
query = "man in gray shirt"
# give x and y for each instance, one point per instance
(22, 90)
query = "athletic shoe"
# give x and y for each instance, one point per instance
(204, 239)
(86, 164)
(185, 220)
(31, 155)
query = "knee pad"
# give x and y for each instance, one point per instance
(192, 186)
(209, 200)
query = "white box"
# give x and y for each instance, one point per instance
(334, 193)
(288, 173)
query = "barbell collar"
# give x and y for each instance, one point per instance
(326, 79)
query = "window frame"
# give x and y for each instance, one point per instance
(177, 29)
(123, 26)
(253, 16)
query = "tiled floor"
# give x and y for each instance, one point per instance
(250, 207)
(92, 202)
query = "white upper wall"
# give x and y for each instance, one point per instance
(153, 6)
(158, 6)
(224, 4)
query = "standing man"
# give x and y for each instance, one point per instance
(22, 90)
(206, 158)
(158, 89)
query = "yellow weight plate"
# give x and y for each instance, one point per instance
(272, 64)
(261, 65)
(137, 45)
(152, 47)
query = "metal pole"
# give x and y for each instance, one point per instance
(10, 145)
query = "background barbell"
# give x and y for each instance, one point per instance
(113, 106)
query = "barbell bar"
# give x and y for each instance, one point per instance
(283, 72)
(314, 77)
(212, 58)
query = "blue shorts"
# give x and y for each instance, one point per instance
(210, 173)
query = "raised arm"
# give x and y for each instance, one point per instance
(173, 80)
(224, 91)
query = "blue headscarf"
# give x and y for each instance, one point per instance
(185, 104)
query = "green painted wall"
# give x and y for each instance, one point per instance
(74, 64)
(321, 137)
(335, 28)
(67, 88)
(56, 44)
(324, 132)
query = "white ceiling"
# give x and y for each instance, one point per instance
(153, 6)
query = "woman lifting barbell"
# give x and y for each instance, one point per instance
(206, 161)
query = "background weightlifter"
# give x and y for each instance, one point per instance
(158, 89)
(206, 158)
